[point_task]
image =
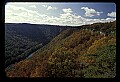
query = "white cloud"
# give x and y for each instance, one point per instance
(51, 8)
(15, 14)
(16, 9)
(112, 14)
(78, 20)
(44, 5)
(89, 12)
(33, 6)
(91, 21)
(67, 10)
(21, 14)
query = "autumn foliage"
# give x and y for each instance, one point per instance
(75, 52)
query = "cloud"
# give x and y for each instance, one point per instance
(15, 14)
(112, 14)
(44, 5)
(91, 21)
(21, 14)
(51, 8)
(89, 12)
(77, 20)
(32, 6)
(67, 10)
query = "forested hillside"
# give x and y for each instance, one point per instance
(21, 39)
(87, 51)
(17, 47)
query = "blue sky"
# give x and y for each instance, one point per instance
(70, 13)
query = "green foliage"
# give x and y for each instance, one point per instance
(17, 47)
(104, 65)
(101, 42)
(76, 52)
(23, 39)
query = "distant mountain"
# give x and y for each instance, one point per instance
(87, 51)
(35, 32)
(21, 39)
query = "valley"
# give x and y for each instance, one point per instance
(87, 51)
(23, 39)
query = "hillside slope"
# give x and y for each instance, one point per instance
(83, 52)
(22, 39)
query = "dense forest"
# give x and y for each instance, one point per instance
(87, 51)
(21, 39)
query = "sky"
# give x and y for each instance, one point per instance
(60, 13)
